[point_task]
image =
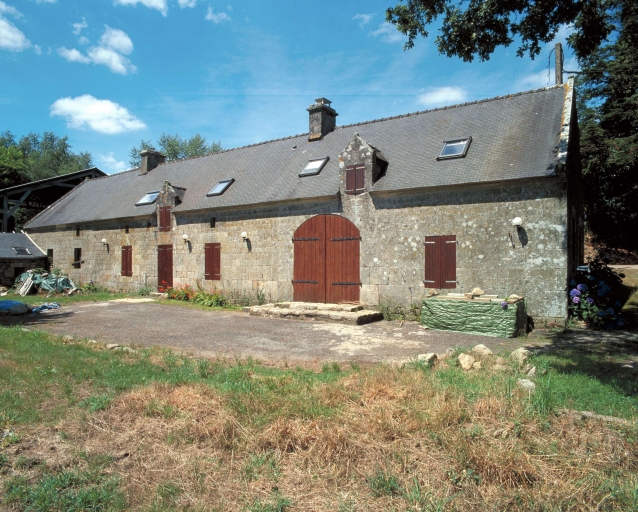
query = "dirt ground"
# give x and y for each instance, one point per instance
(236, 334)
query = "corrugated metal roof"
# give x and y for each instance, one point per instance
(10, 240)
(513, 137)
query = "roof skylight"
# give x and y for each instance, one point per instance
(220, 188)
(149, 198)
(456, 148)
(314, 167)
(22, 251)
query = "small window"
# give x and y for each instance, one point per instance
(22, 251)
(149, 198)
(220, 188)
(355, 179)
(314, 167)
(212, 222)
(77, 231)
(455, 148)
(77, 257)
(126, 229)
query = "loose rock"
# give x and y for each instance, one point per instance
(466, 361)
(477, 365)
(477, 292)
(482, 350)
(520, 355)
(113, 346)
(532, 372)
(427, 358)
(526, 384)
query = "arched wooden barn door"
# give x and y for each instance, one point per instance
(326, 267)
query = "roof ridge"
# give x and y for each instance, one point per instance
(233, 149)
(448, 107)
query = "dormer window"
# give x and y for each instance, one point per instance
(314, 167)
(456, 148)
(220, 188)
(149, 198)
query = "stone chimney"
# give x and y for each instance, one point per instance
(150, 160)
(323, 119)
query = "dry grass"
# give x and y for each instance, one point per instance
(180, 447)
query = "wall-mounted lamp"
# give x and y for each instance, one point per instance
(518, 222)
(185, 238)
(244, 235)
(104, 242)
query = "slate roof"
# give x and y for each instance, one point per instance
(513, 137)
(9, 240)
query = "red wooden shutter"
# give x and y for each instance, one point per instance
(165, 218)
(350, 180)
(212, 262)
(440, 262)
(355, 179)
(359, 178)
(216, 262)
(127, 261)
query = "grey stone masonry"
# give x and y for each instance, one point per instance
(323, 119)
(531, 263)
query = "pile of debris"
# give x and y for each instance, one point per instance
(476, 294)
(43, 281)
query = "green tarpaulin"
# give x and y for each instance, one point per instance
(49, 283)
(475, 317)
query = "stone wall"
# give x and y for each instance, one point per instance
(532, 263)
(12, 268)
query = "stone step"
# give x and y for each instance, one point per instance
(341, 313)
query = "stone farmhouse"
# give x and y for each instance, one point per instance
(377, 212)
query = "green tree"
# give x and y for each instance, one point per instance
(471, 28)
(12, 166)
(176, 148)
(608, 88)
(48, 155)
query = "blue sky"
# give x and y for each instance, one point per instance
(109, 73)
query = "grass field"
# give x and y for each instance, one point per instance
(89, 429)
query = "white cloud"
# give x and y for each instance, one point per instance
(110, 52)
(364, 19)
(116, 62)
(388, 33)
(442, 96)
(11, 38)
(103, 116)
(216, 18)
(37, 49)
(7, 9)
(83, 40)
(73, 55)
(77, 27)
(46, 1)
(187, 3)
(116, 40)
(159, 5)
(111, 163)
(229, 7)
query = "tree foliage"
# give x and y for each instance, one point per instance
(176, 148)
(471, 28)
(608, 110)
(36, 157)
